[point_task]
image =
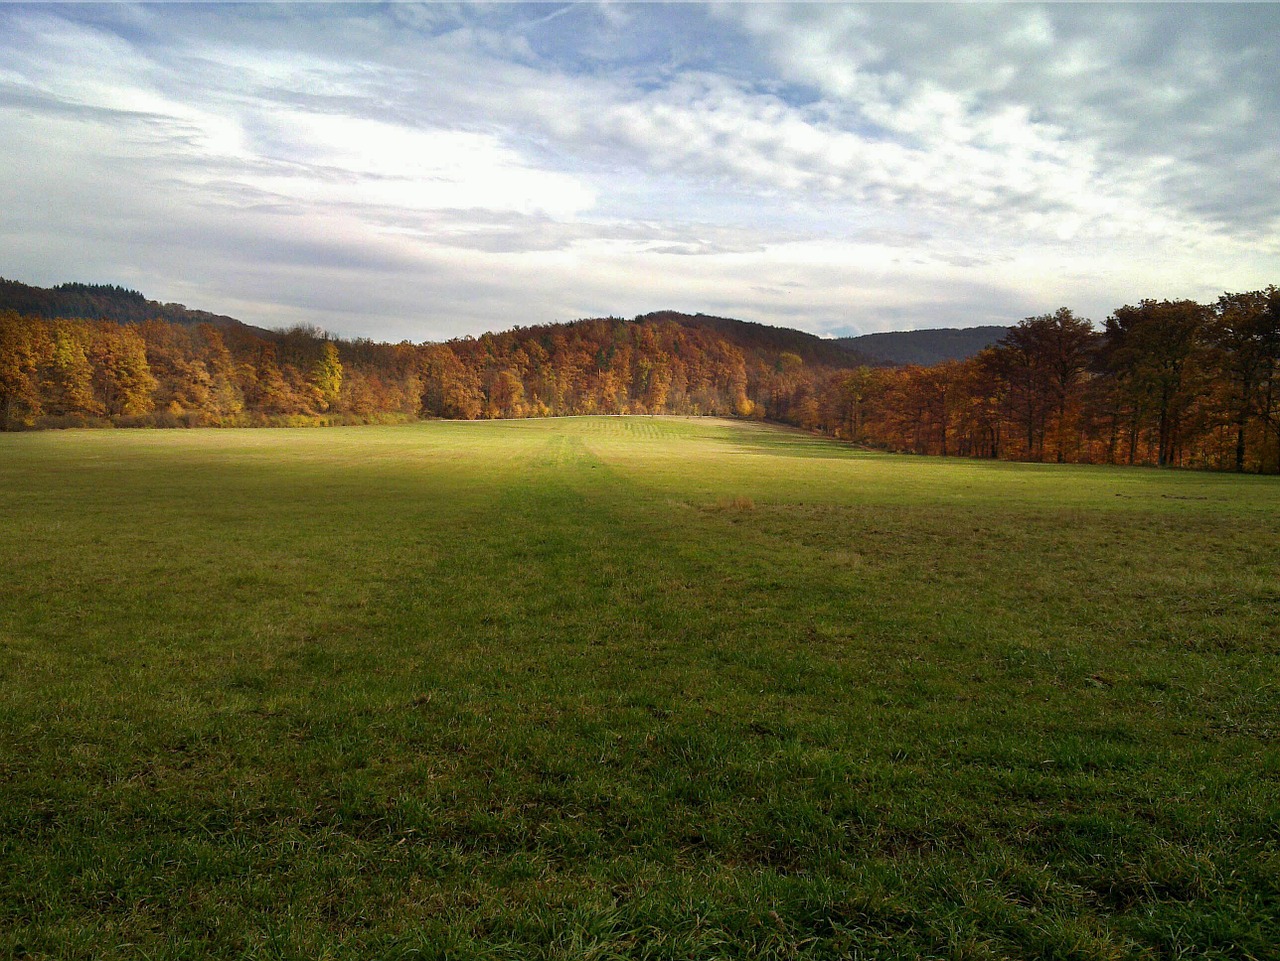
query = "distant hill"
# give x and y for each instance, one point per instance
(108, 302)
(125, 306)
(924, 347)
(763, 340)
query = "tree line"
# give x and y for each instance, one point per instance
(1169, 383)
(60, 372)
(1172, 383)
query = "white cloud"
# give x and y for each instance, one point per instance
(351, 160)
(423, 172)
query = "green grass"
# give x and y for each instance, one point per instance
(629, 687)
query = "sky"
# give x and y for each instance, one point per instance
(419, 172)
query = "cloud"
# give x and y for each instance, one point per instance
(1109, 111)
(426, 170)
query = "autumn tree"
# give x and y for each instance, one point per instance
(121, 377)
(1046, 359)
(855, 394)
(983, 408)
(1070, 344)
(66, 377)
(183, 383)
(505, 395)
(1244, 341)
(271, 388)
(1149, 350)
(362, 393)
(226, 393)
(936, 390)
(1027, 379)
(449, 389)
(24, 348)
(326, 376)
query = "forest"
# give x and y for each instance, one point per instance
(1167, 383)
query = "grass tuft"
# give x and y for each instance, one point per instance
(738, 504)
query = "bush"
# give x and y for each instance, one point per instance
(71, 422)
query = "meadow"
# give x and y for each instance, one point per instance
(629, 688)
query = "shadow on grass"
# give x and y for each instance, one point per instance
(780, 441)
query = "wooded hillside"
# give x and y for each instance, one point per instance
(1173, 383)
(108, 302)
(924, 347)
(60, 372)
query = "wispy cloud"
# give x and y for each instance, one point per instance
(424, 171)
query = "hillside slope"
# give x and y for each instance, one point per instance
(924, 347)
(108, 302)
(769, 341)
(128, 357)
(125, 306)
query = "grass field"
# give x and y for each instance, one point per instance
(629, 687)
